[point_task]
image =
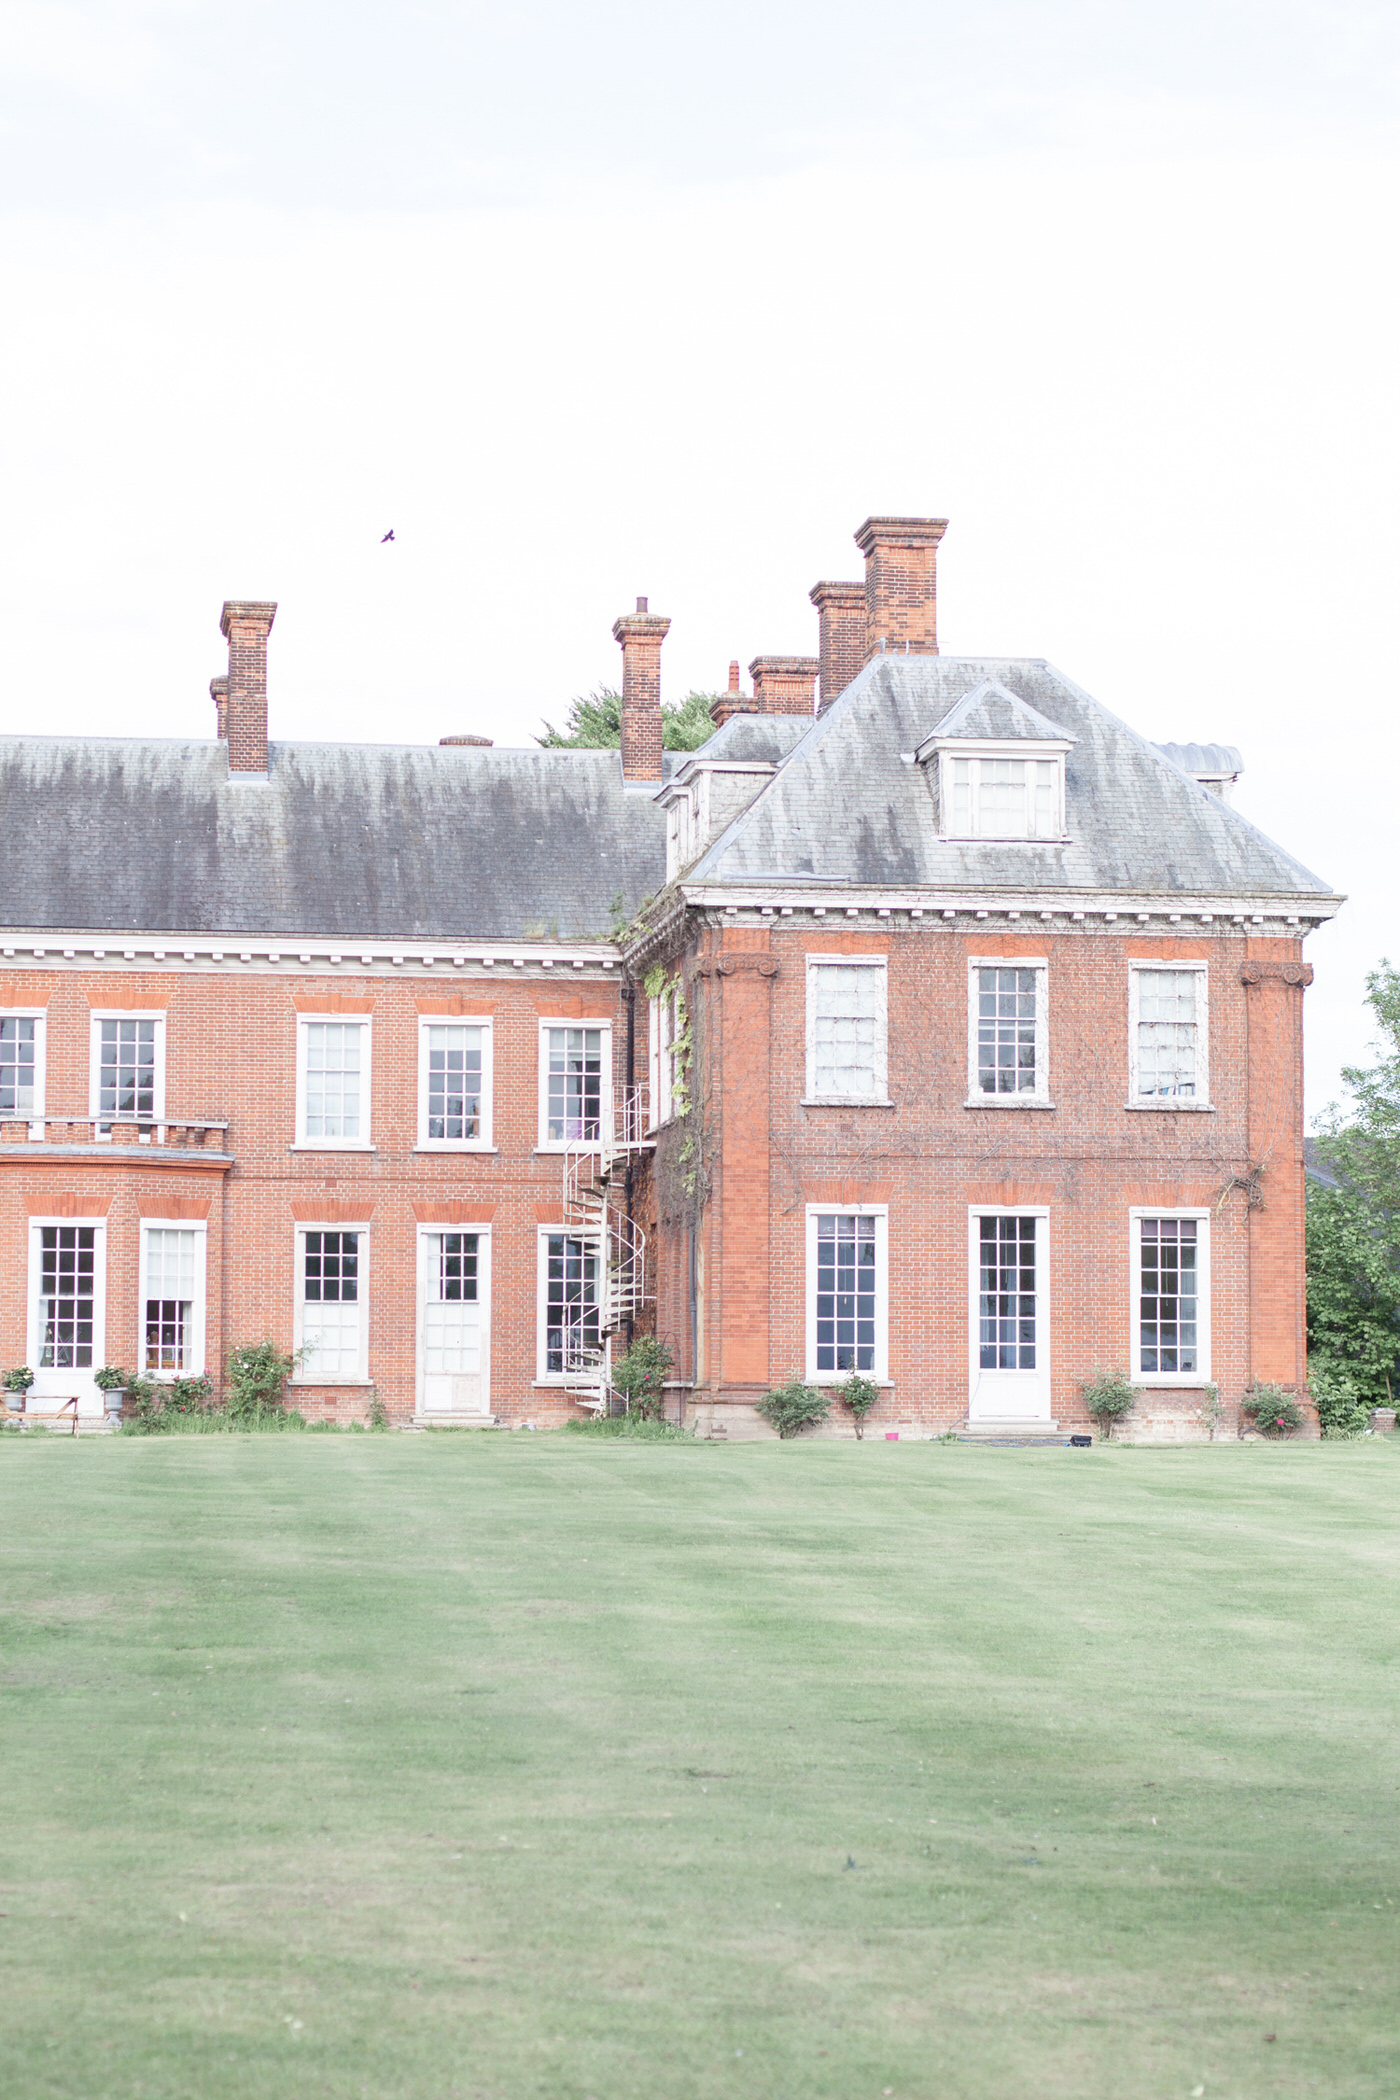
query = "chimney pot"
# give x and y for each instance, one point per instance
(247, 622)
(641, 635)
(734, 674)
(483, 742)
(901, 596)
(841, 648)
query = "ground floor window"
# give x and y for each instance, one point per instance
(1007, 1296)
(1171, 1314)
(569, 1309)
(331, 1306)
(172, 1293)
(67, 1296)
(847, 1292)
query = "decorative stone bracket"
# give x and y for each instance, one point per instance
(1300, 973)
(738, 964)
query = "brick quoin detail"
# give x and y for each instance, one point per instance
(641, 635)
(901, 593)
(247, 624)
(841, 648)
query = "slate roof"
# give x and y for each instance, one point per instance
(1216, 759)
(357, 839)
(991, 713)
(751, 739)
(849, 805)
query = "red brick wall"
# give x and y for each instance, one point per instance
(930, 1158)
(231, 1052)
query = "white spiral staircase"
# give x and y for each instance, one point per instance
(595, 1214)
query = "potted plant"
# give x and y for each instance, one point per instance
(111, 1382)
(860, 1393)
(18, 1382)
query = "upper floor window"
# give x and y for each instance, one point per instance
(1004, 798)
(1007, 1030)
(667, 1029)
(128, 1069)
(21, 1064)
(454, 1084)
(333, 1073)
(575, 1083)
(847, 1027)
(1168, 1037)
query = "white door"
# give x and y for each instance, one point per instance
(1009, 1374)
(67, 1312)
(454, 1323)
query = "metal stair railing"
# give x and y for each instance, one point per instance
(593, 1215)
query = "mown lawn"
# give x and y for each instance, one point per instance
(515, 1767)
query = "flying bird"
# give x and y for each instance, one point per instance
(387, 537)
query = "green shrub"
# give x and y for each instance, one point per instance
(859, 1393)
(111, 1378)
(1274, 1411)
(1343, 1408)
(640, 1377)
(19, 1380)
(378, 1412)
(642, 1429)
(154, 1406)
(794, 1407)
(255, 1381)
(1108, 1396)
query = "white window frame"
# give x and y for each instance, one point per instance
(56, 1382)
(486, 1142)
(195, 1336)
(483, 1299)
(543, 1235)
(880, 1212)
(300, 1376)
(364, 1143)
(1024, 750)
(988, 1410)
(39, 1016)
(810, 1097)
(99, 1014)
(544, 1143)
(1039, 1097)
(661, 1061)
(1201, 1101)
(1183, 1381)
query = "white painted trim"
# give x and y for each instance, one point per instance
(605, 1092)
(1132, 910)
(880, 1212)
(1022, 1396)
(1183, 1380)
(364, 1142)
(195, 1338)
(1039, 1096)
(810, 1093)
(425, 1233)
(97, 1016)
(300, 1376)
(1201, 1098)
(39, 1016)
(293, 953)
(57, 1383)
(542, 1239)
(486, 1141)
(980, 753)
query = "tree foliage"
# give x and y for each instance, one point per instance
(594, 723)
(1354, 1233)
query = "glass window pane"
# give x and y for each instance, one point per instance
(334, 1059)
(845, 1293)
(846, 1030)
(454, 1083)
(574, 1085)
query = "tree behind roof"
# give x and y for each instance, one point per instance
(594, 723)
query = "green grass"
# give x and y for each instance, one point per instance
(555, 1766)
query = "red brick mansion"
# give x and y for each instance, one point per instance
(926, 1021)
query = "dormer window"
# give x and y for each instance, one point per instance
(1004, 798)
(1001, 768)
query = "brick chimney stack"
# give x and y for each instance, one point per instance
(218, 693)
(841, 649)
(247, 624)
(641, 635)
(785, 685)
(901, 598)
(733, 702)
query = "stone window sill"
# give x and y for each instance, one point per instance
(842, 1101)
(1170, 1108)
(1000, 1101)
(455, 1150)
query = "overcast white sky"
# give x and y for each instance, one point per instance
(591, 301)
